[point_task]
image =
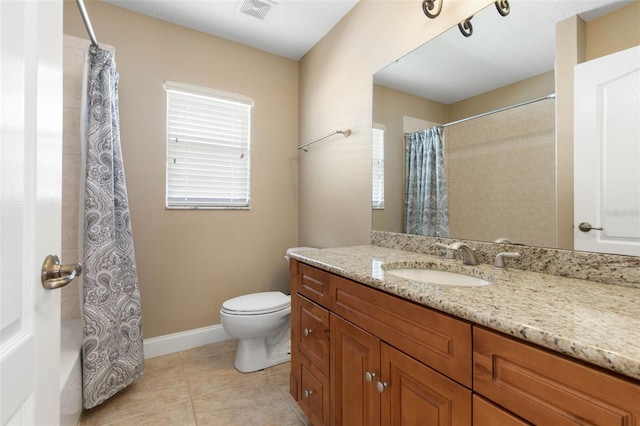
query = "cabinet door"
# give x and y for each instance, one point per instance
(354, 353)
(417, 395)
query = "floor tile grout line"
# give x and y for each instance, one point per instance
(186, 378)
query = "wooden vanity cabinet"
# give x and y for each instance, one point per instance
(383, 353)
(419, 363)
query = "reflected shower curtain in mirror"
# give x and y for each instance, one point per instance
(426, 205)
(112, 351)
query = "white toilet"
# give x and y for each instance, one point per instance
(262, 324)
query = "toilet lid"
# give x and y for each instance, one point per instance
(257, 303)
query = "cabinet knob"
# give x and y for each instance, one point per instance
(307, 393)
(381, 386)
(307, 331)
(369, 376)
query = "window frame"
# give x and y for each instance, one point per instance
(377, 152)
(239, 105)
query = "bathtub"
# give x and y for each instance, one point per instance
(70, 372)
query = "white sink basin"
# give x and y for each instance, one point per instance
(437, 277)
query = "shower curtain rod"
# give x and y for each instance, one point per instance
(87, 23)
(551, 96)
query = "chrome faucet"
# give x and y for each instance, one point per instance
(468, 254)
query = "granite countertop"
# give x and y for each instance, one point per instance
(594, 322)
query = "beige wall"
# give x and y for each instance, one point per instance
(616, 31)
(190, 261)
(521, 91)
(335, 92)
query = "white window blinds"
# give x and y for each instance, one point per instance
(208, 147)
(377, 184)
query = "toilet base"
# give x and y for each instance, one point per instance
(256, 354)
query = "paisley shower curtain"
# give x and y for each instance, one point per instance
(426, 202)
(112, 348)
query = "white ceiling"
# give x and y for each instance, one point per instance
(502, 50)
(290, 29)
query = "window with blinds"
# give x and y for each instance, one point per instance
(377, 185)
(208, 147)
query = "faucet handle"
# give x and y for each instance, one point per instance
(499, 262)
(448, 254)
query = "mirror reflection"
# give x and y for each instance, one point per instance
(474, 119)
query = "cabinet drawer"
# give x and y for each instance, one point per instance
(487, 414)
(313, 333)
(314, 284)
(435, 339)
(545, 388)
(314, 393)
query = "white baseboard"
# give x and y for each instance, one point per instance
(176, 342)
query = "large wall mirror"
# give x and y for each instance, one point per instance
(494, 94)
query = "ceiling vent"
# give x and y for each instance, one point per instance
(257, 8)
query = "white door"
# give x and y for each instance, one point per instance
(30, 197)
(607, 154)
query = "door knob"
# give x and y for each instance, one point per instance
(54, 275)
(381, 386)
(586, 227)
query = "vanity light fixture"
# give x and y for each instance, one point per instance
(432, 9)
(428, 7)
(465, 26)
(503, 7)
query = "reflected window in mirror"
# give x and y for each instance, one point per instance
(377, 174)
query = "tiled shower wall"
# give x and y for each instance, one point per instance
(73, 68)
(509, 159)
(73, 62)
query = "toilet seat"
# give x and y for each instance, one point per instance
(257, 303)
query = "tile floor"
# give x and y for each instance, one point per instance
(201, 387)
